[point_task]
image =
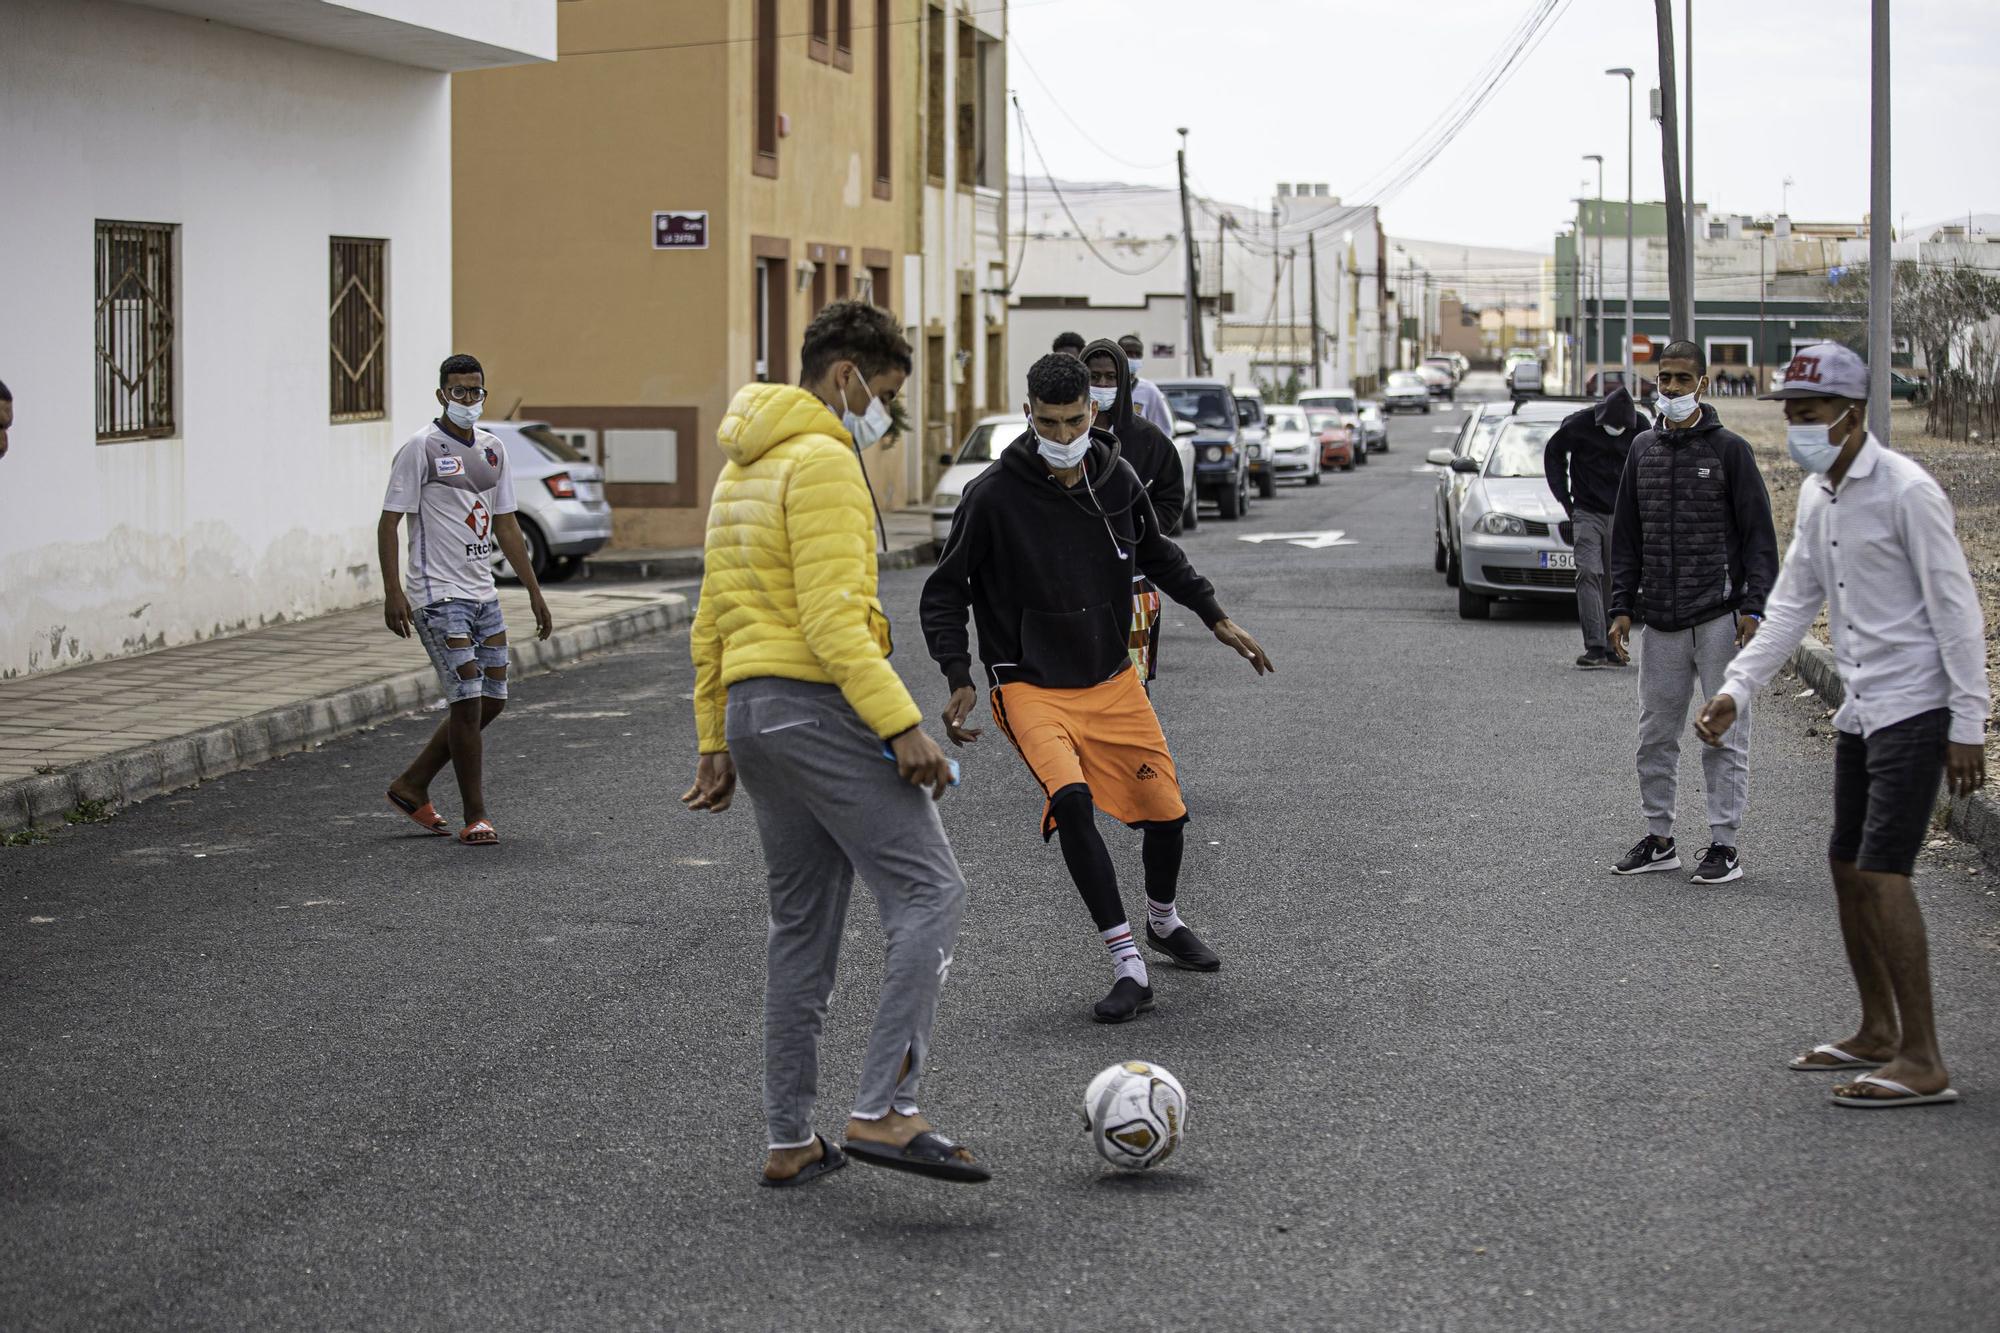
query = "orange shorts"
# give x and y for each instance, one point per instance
(1106, 738)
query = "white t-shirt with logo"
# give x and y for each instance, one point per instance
(454, 491)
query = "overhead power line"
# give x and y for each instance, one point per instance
(1082, 235)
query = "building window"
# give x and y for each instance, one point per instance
(770, 305)
(934, 94)
(843, 34)
(966, 87)
(819, 286)
(766, 56)
(989, 170)
(883, 147)
(817, 45)
(357, 328)
(135, 330)
(875, 277)
(843, 279)
(996, 370)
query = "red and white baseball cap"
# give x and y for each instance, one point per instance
(1824, 370)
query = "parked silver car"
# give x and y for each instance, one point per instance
(1473, 441)
(1406, 391)
(1509, 525)
(563, 513)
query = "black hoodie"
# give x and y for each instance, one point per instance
(1048, 570)
(1691, 537)
(1583, 461)
(1144, 446)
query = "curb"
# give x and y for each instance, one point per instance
(1974, 819)
(130, 776)
(688, 565)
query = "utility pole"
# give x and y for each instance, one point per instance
(1881, 268)
(1312, 295)
(1597, 297)
(1760, 311)
(1292, 303)
(1678, 322)
(1191, 289)
(1687, 170)
(1625, 72)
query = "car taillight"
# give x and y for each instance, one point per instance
(560, 486)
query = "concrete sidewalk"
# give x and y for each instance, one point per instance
(910, 544)
(81, 742)
(78, 743)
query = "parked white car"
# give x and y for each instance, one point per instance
(991, 435)
(564, 516)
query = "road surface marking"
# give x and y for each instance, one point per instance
(1311, 541)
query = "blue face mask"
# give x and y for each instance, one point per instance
(1133, 364)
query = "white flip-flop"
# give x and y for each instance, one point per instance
(1906, 1096)
(1805, 1064)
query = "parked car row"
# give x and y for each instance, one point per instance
(564, 516)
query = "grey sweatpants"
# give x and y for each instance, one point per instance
(1669, 664)
(828, 804)
(1593, 576)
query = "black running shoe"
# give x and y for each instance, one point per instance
(1127, 1000)
(1652, 853)
(1592, 659)
(1718, 866)
(1185, 948)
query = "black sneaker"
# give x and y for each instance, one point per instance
(1652, 853)
(1127, 1000)
(1718, 866)
(1594, 658)
(1185, 948)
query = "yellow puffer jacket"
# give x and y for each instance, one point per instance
(788, 585)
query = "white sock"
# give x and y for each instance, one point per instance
(1165, 917)
(1125, 959)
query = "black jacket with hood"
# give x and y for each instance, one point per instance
(1047, 571)
(1145, 447)
(1691, 537)
(1583, 459)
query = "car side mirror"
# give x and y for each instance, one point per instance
(1182, 426)
(945, 460)
(1460, 463)
(1438, 458)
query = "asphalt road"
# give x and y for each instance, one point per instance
(273, 1060)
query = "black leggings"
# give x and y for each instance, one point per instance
(1089, 860)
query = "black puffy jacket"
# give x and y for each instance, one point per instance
(1691, 538)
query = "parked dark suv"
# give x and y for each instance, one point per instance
(1221, 463)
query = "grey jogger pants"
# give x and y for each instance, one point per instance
(1593, 576)
(827, 804)
(1670, 661)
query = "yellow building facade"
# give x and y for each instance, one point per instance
(650, 222)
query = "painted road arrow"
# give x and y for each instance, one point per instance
(1311, 541)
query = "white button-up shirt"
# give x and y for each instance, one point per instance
(1881, 553)
(1150, 403)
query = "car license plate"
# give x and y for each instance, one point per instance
(1558, 560)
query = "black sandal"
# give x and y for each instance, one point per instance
(928, 1154)
(830, 1159)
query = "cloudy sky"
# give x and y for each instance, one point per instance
(1337, 90)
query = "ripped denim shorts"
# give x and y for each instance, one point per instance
(467, 642)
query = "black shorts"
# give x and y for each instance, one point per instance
(1885, 789)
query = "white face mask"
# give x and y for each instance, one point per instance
(1681, 407)
(870, 424)
(1106, 397)
(1811, 446)
(462, 414)
(1133, 364)
(1614, 431)
(1062, 456)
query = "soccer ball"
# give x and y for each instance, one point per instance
(1136, 1113)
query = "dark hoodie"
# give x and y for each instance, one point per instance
(1145, 447)
(1583, 461)
(1048, 571)
(1691, 536)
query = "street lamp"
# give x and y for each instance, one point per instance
(1598, 303)
(1625, 73)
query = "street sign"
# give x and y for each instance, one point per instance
(1311, 541)
(680, 231)
(1642, 347)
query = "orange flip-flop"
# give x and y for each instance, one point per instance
(479, 833)
(425, 814)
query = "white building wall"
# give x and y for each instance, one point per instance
(259, 149)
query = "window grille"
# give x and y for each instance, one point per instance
(135, 330)
(357, 329)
